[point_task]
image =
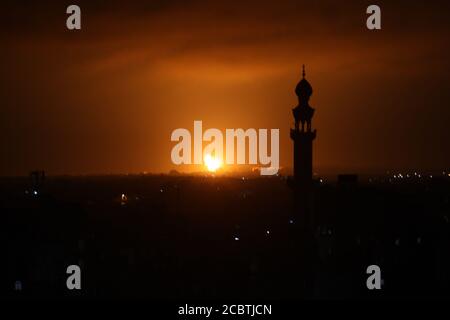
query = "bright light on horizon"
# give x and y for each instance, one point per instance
(212, 164)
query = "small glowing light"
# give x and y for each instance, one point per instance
(321, 180)
(161, 190)
(291, 221)
(449, 174)
(212, 164)
(35, 192)
(18, 285)
(123, 199)
(268, 232)
(236, 238)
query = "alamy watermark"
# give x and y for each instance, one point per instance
(73, 22)
(235, 142)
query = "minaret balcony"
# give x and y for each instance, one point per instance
(297, 134)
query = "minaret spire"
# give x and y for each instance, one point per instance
(303, 72)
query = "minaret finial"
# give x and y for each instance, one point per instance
(303, 72)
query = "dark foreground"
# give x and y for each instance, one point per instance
(192, 237)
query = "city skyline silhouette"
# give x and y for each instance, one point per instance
(95, 206)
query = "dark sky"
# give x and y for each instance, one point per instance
(106, 99)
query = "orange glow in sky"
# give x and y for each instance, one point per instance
(211, 163)
(136, 72)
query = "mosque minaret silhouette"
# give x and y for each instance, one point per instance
(303, 135)
(303, 215)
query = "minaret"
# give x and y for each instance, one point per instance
(304, 193)
(302, 134)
